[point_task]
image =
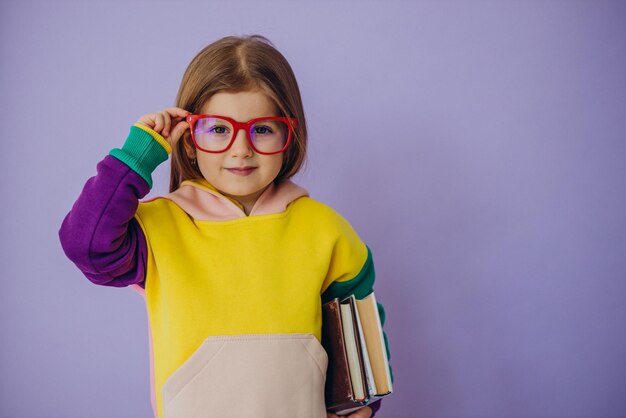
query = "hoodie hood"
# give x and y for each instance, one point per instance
(204, 202)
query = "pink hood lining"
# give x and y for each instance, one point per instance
(203, 202)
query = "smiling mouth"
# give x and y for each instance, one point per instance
(243, 171)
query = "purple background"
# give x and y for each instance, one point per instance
(479, 148)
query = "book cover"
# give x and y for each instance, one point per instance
(354, 349)
(369, 374)
(375, 341)
(339, 393)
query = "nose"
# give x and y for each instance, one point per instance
(241, 146)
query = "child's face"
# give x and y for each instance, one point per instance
(244, 186)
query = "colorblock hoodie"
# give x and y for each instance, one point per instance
(233, 300)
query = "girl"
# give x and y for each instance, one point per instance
(235, 262)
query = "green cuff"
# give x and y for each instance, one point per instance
(141, 152)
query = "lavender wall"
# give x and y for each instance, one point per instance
(478, 147)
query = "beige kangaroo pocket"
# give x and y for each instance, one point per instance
(259, 375)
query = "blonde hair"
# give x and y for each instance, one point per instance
(236, 64)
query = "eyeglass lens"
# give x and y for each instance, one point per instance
(214, 134)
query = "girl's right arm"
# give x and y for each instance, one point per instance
(100, 234)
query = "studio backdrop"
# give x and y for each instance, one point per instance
(477, 147)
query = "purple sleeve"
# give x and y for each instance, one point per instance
(100, 234)
(375, 407)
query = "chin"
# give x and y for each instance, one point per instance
(241, 192)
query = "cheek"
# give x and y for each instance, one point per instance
(275, 163)
(209, 163)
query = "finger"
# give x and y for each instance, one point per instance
(364, 412)
(158, 122)
(177, 132)
(147, 120)
(166, 124)
(176, 111)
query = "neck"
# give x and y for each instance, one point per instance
(247, 202)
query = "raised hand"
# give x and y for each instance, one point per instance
(170, 123)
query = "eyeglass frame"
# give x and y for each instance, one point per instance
(193, 118)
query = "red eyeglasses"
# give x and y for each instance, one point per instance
(215, 134)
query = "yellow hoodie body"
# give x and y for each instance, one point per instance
(234, 301)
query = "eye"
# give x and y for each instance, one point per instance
(218, 129)
(262, 130)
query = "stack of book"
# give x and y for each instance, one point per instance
(358, 369)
